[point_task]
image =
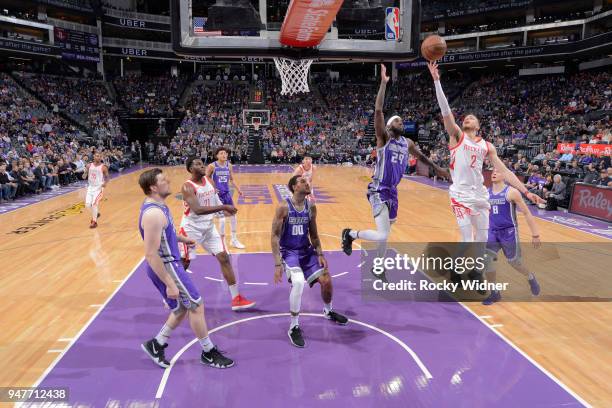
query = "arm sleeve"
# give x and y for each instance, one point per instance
(442, 99)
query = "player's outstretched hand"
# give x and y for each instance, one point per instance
(230, 209)
(383, 74)
(535, 240)
(433, 69)
(278, 274)
(534, 198)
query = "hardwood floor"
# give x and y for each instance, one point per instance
(57, 272)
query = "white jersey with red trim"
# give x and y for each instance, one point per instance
(467, 160)
(95, 176)
(207, 197)
(307, 174)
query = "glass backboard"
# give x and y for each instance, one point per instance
(362, 31)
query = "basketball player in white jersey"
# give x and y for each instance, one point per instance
(468, 195)
(306, 170)
(201, 203)
(96, 174)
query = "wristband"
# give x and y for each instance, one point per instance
(535, 236)
(278, 264)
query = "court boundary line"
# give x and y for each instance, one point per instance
(138, 264)
(89, 322)
(164, 380)
(528, 358)
(515, 347)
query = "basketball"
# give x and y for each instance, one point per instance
(433, 48)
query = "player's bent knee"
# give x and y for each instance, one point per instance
(297, 280)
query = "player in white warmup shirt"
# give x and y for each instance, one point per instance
(96, 174)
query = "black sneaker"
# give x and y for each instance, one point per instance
(347, 241)
(295, 335)
(336, 317)
(215, 359)
(156, 352)
(382, 276)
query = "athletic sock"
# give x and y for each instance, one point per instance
(233, 290)
(206, 344)
(294, 321)
(163, 335)
(327, 307)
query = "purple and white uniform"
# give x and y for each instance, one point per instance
(189, 297)
(503, 228)
(221, 177)
(391, 163)
(299, 256)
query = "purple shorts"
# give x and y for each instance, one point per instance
(302, 260)
(226, 197)
(507, 240)
(379, 198)
(189, 297)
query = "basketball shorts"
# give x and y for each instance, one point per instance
(507, 240)
(378, 199)
(93, 196)
(471, 208)
(189, 297)
(226, 197)
(208, 238)
(304, 261)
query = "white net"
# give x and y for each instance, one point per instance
(294, 74)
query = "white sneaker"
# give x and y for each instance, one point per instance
(237, 244)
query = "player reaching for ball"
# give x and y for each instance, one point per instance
(468, 195)
(392, 150)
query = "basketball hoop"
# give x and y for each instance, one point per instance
(294, 74)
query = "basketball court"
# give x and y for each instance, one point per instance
(89, 306)
(77, 303)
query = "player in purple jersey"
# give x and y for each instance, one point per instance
(165, 270)
(297, 249)
(220, 173)
(503, 232)
(392, 151)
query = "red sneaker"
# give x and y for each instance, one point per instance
(93, 224)
(240, 302)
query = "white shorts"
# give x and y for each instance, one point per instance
(470, 208)
(208, 238)
(93, 196)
